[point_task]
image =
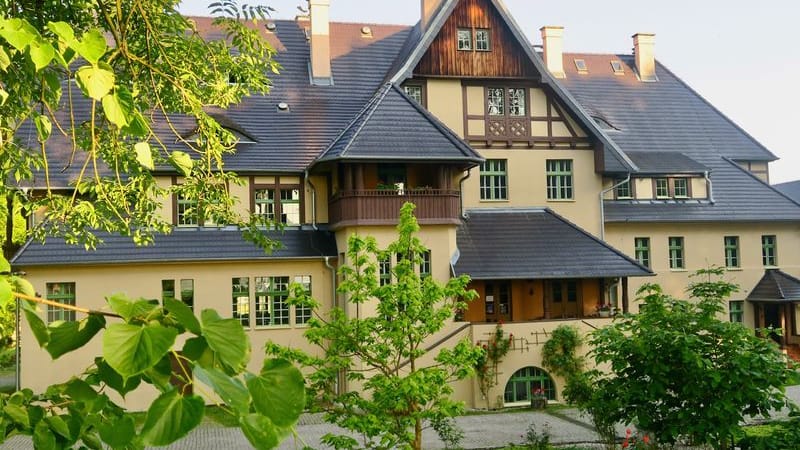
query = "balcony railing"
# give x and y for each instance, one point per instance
(382, 206)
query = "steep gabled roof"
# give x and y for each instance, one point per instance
(776, 286)
(182, 245)
(535, 244)
(412, 54)
(393, 127)
(790, 189)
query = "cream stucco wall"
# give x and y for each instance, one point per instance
(704, 247)
(445, 101)
(212, 286)
(527, 185)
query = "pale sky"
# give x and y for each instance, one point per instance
(742, 56)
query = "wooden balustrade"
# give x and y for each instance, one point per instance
(382, 206)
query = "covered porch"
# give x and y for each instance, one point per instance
(534, 265)
(775, 300)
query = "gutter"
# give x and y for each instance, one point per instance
(602, 205)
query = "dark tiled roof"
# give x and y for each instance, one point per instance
(790, 189)
(776, 286)
(665, 163)
(393, 127)
(182, 245)
(534, 243)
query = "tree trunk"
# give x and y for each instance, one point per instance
(418, 434)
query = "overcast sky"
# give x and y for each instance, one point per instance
(742, 56)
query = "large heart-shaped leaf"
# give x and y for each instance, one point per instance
(92, 46)
(171, 417)
(278, 392)
(5, 267)
(110, 377)
(182, 313)
(117, 112)
(41, 53)
(260, 431)
(131, 349)
(68, 336)
(63, 30)
(227, 338)
(182, 162)
(231, 390)
(43, 438)
(119, 432)
(18, 33)
(35, 322)
(129, 309)
(95, 82)
(6, 294)
(43, 127)
(144, 155)
(5, 61)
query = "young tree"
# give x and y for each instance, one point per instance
(679, 372)
(383, 353)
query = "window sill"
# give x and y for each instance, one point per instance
(734, 269)
(678, 270)
(272, 327)
(493, 200)
(561, 200)
(772, 267)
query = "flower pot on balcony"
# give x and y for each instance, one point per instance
(538, 402)
(604, 313)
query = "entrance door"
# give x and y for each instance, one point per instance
(772, 318)
(562, 299)
(498, 301)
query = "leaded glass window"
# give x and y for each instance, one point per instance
(302, 314)
(240, 300)
(494, 180)
(496, 101)
(271, 306)
(63, 293)
(559, 179)
(464, 39)
(482, 40)
(516, 102)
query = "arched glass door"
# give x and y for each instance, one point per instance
(524, 381)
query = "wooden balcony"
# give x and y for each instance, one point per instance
(382, 206)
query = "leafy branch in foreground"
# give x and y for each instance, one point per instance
(140, 348)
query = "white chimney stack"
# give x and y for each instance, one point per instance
(553, 44)
(320, 42)
(427, 8)
(644, 52)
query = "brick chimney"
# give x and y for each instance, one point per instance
(553, 44)
(644, 52)
(320, 42)
(427, 9)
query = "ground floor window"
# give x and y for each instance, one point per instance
(525, 381)
(736, 310)
(240, 300)
(61, 293)
(271, 306)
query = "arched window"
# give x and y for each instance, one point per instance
(524, 381)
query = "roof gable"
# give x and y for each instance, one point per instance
(504, 59)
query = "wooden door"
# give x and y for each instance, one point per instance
(498, 301)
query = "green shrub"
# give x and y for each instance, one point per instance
(772, 436)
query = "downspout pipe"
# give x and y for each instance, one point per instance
(602, 205)
(461, 192)
(710, 185)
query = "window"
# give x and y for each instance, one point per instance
(642, 250)
(385, 270)
(524, 382)
(271, 306)
(736, 311)
(186, 211)
(731, 251)
(662, 188)
(623, 191)
(580, 64)
(482, 40)
(680, 188)
(769, 250)
(302, 314)
(464, 39)
(559, 179)
(425, 265)
(676, 257)
(616, 66)
(498, 97)
(494, 180)
(240, 305)
(187, 292)
(278, 204)
(167, 290)
(414, 91)
(63, 293)
(495, 101)
(516, 102)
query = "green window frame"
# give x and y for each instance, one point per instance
(731, 251)
(523, 383)
(769, 250)
(187, 211)
(676, 253)
(290, 206)
(240, 300)
(680, 187)
(623, 190)
(425, 264)
(559, 179)
(278, 204)
(272, 308)
(167, 290)
(64, 293)
(494, 180)
(187, 292)
(302, 314)
(736, 311)
(662, 188)
(642, 250)
(384, 270)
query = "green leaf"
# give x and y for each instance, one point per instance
(41, 54)
(5, 266)
(130, 309)
(23, 286)
(231, 390)
(38, 327)
(260, 431)
(18, 414)
(68, 336)
(183, 314)
(43, 127)
(6, 294)
(131, 349)
(5, 61)
(171, 417)
(58, 425)
(43, 438)
(92, 47)
(80, 390)
(63, 30)
(182, 162)
(112, 379)
(137, 126)
(144, 155)
(119, 432)
(18, 33)
(95, 81)
(3, 96)
(160, 375)
(278, 392)
(227, 338)
(116, 112)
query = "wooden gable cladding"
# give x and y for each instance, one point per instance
(506, 59)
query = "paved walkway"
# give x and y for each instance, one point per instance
(565, 426)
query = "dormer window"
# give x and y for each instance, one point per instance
(666, 188)
(623, 190)
(482, 40)
(464, 39)
(616, 66)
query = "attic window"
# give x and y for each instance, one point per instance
(464, 39)
(580, 64)
(616, 66)
(482, 40)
